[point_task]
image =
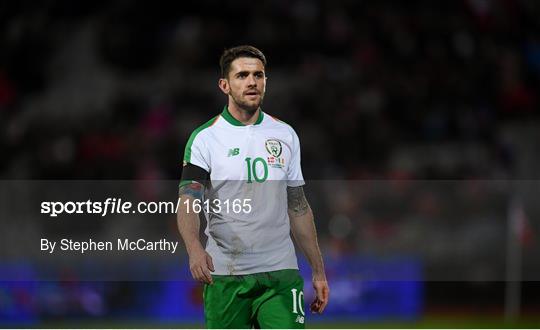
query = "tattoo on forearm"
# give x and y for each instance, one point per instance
(194, 190)
(296, 201)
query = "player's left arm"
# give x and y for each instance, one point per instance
(305, 235)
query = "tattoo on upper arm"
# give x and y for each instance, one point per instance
(296, 201)
(195, 190)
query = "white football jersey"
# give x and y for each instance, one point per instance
(250, 167)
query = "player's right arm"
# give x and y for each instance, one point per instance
(200, 262)
(195, 175)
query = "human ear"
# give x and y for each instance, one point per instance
(224, 86)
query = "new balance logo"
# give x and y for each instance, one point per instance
(299, 319)
(233, 152)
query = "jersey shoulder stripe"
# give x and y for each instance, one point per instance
(187, 152)
(279, 121)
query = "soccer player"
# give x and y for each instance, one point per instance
(248, 157)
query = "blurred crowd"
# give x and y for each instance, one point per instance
(375, 90)
(416, 89)
(385, 90)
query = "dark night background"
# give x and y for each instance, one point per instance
(377, 90)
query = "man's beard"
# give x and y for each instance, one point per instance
(248, 107)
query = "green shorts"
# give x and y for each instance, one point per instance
(262, 300)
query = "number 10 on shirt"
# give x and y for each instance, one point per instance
(252, 169)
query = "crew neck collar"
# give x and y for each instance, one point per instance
(235, 122)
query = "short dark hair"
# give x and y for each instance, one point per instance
(231, 54)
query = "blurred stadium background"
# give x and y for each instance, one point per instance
(420, 132)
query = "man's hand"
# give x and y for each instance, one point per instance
(322, 293)
(200, 265)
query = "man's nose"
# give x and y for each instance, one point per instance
(251, 80)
